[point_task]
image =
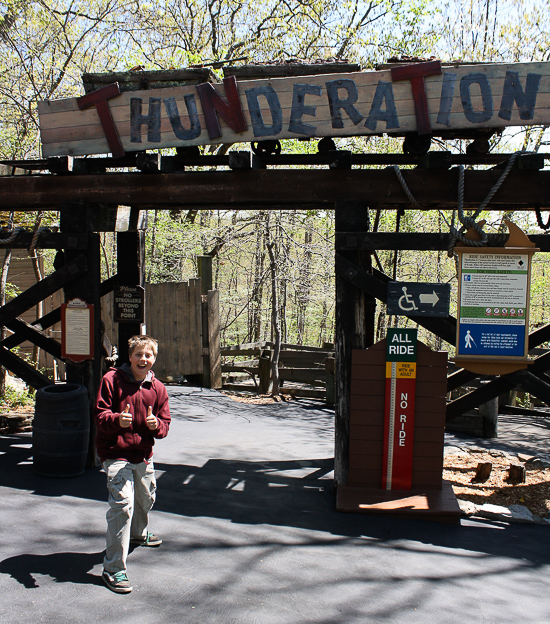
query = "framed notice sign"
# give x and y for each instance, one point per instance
(493, 308)
(77, 330)
(401, 348)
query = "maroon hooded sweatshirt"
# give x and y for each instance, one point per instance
(135, 443)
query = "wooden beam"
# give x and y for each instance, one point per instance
(522, 189)
(354, 313)
(418, 241)
(375, 284)
(481, 395)
(533, 384)
(43, 322)
(131, 272)
(503, 384)
(26, 331)
(21, 369)
(54, 317)
(42, 289)
(47, 240)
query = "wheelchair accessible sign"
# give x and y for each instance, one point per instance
(493, 305)
(418, 299)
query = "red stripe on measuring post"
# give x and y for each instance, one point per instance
(399, 409)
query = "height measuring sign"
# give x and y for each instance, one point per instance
(399, 409)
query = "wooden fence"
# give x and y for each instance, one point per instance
(303, 371)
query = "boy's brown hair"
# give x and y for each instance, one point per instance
(142, 340)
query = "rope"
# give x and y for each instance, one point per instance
(542, 225)
(12, 236)
(37, 231)
(404, 186)
(469, 222)
(36, 236)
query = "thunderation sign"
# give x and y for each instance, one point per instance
(423, 97)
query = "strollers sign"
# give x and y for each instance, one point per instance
(427, 98)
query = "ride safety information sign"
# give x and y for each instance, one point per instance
(401, 349)
(494, 299)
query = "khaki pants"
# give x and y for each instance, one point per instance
(132, 492)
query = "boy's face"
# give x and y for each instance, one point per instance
(142, 359)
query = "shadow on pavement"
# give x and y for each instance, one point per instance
(65, 567)
(294, 493)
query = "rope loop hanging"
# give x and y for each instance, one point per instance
(469, 221)
(541, 224)
(404, 186)
(36, 236)
(12, 235)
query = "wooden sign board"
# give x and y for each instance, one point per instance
(129, 304)
(77, 330)
(424, 97)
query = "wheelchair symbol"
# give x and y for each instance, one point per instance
(406, 301)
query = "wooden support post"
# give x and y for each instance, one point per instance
(264, 364)
(87, 287)
(330, 368)
(204, 264)
(211, 359)
(489, 417)
(355, 327)
(214, 355)
(131, 272)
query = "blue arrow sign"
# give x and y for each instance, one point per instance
(418, 299)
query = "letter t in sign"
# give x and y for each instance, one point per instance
(416, 73)
(99, 100)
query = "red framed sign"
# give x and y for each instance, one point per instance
(77, 330)
(399, 409)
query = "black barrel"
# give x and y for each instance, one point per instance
(61, 430)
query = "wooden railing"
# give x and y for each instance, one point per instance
(303, 371)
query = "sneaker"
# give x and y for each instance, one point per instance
(117, 582)
(149, 540)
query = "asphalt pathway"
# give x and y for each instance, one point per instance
(246, 510)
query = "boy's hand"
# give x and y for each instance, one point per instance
(152, 421)
(125, 418)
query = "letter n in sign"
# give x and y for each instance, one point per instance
(399, 409)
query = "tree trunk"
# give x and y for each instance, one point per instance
(3, 283)
(275, 321)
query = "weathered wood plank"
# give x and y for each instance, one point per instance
(461, 97)
(25, 331)
(277, 188)
(214, 358)
(21, 369)
(42, 289)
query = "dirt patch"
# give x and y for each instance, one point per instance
(460, 470)
(257, 400)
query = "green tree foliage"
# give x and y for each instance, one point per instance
(46, 45)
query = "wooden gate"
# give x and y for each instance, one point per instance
(185, 323)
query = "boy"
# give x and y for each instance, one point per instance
(131, 411)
